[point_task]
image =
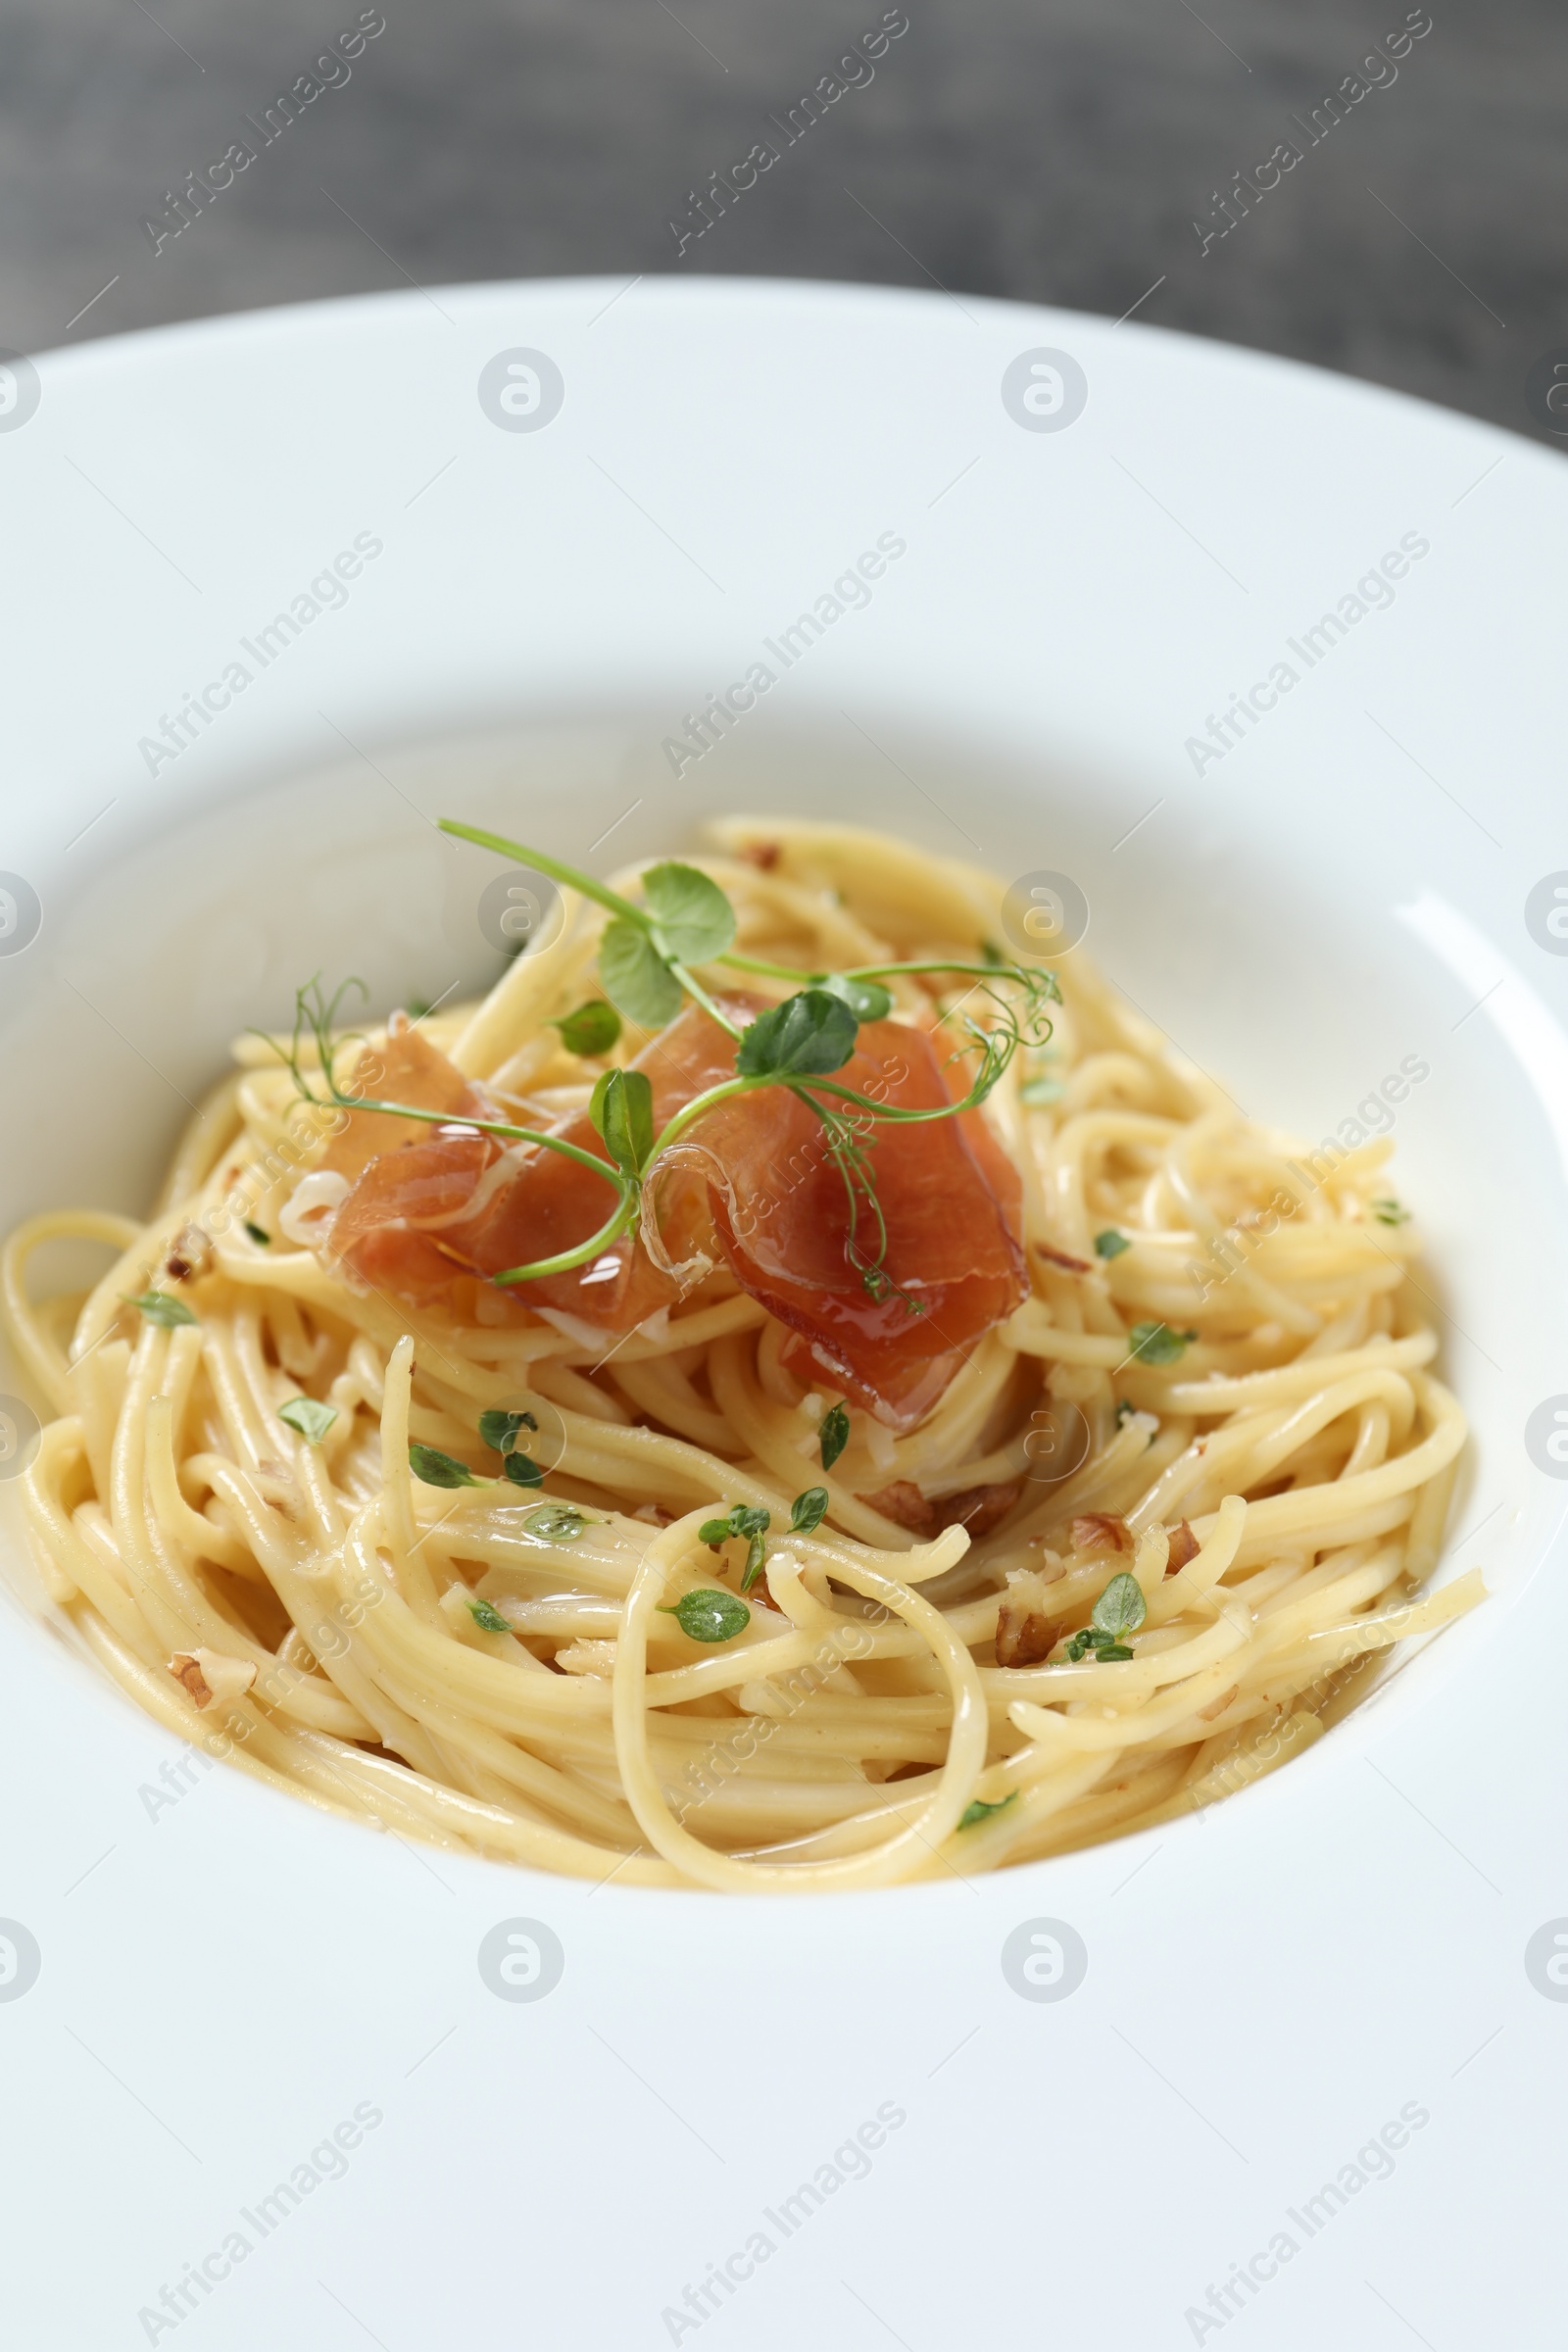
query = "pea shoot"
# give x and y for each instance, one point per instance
(1111, 1244)
(746, 1519)
(648, 956)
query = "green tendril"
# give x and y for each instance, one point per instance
(647, 960)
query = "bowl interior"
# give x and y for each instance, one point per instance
(1333, 899)
(1285, 976)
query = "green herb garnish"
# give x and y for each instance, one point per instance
(805, 1037)
(977, 1809)
(488, 1619)
(262, 1240)
(162, 1307)
(867, 1000)
(742, 1519)
(746, 1519)
(691, 919)
(1120, 1609)
(1157, 1344)
(636, 978)
(500, 1431)
(621, 1110)
(592, 1029)
(438, 1469)
(834, 1434)
(1110, 1243)
(684, 919)
(555, 1523)
(646, 955)
(308, 1416)
(710, 1615)
(808, 1512)
(1389, 1213)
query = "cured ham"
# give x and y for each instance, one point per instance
(433, 1211)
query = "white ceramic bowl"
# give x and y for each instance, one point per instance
(536, 609)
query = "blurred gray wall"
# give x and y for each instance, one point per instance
(1067, 151)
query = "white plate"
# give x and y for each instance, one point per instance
(224, 1978)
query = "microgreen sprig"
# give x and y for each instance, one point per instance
(646, 958)
(751, 1522)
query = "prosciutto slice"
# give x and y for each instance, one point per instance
(435, 1211)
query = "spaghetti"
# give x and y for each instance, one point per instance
(1081, 1475)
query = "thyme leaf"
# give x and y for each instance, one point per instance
(437, 1469)
(162, 1309)
(500, 1431)
(1157, 1344)
(977, 1809)
(592, 1029)
(308, 1416)
(489, 1619)
(555, 1523)
(808, 1512)
(708, 1615)
(867, 1000)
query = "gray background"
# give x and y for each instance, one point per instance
(1055, 150)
